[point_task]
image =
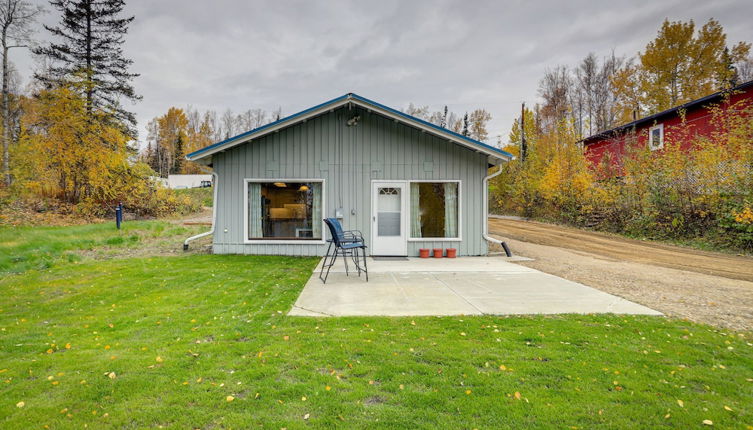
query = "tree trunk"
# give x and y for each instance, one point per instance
(89, 71)
(4, 110)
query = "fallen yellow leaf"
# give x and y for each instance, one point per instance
(708, 422)
(229, 398)
(327, 388)
(727, 408)
(502, 367)
(112, 375)
(20, 404)
(158, 359)
(517, 395)
(468, 392)
(681, 403)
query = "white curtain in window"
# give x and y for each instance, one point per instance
(254, 210)
(415, 211)
(450, 209)
(316, 210)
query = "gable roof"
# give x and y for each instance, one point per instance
(665, 113)
(494, 155)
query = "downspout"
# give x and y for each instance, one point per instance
(486, 213)
(215, 185)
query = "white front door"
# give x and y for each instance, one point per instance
(389, 215)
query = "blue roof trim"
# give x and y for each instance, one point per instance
(432, 125)
(364, 100)
(265, 126)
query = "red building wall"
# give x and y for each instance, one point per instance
(698, 122)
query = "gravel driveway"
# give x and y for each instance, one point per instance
(611, 266)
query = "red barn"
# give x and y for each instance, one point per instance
(678, 125)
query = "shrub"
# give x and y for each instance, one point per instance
(674, 193)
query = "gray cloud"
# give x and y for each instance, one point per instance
(465, 54)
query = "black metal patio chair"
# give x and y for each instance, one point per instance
(346, 243)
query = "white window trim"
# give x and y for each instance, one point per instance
(246, 240)
(659, 127)
(460, 212)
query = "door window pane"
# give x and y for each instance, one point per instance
(388, 211)
(285, 210)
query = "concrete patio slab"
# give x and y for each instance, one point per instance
(462, 286)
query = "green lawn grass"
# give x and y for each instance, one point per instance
(164, 341)
(25, 248)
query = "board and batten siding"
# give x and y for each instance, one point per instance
(348, 159)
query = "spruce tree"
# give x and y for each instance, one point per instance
(88, 48)
(179, 154)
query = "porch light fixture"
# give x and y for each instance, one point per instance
(303, 188)
(353, 121)
(280, 184)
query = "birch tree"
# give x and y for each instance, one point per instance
(17, 18)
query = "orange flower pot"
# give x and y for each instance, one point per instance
(423, 253)
(452, 252)
(438, 252)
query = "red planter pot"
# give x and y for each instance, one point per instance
(423, 253)
(452, 252)
(438, 252)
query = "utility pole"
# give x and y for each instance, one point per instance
(523, 147)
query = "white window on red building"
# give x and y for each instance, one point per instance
(656, 137)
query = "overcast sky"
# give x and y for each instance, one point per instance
(242, 54)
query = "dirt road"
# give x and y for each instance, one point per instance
(622, 249)
(700, 286)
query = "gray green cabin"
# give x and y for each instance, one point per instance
(404, 183)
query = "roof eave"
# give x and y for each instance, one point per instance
(667, 112)
(369, 105)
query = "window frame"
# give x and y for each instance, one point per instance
(659, 127)
(460, 211)
(246, 240)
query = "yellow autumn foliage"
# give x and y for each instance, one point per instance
(677, 193)
(78, 158)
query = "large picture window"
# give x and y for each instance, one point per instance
(283, 210)
(434, 210)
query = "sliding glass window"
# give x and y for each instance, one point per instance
(284, 210)
(434, 210)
